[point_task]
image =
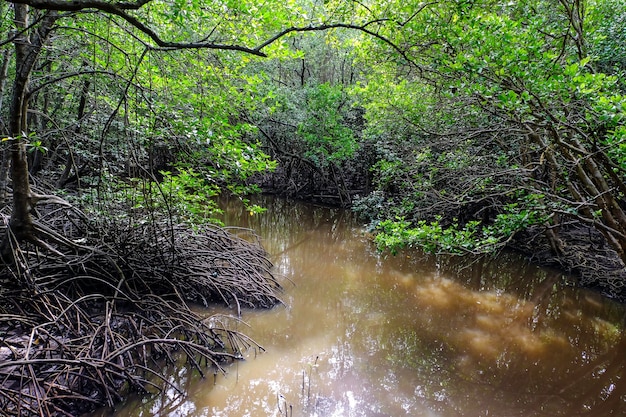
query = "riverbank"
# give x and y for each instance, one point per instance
(364, 333)
(84, 325)
(583, 254)
(582, 251)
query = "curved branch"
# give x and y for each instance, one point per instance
(327, 26)
(119, 9)
(14, 34)
(70, 75)
(322, 27)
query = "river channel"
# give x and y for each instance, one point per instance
(365, 334)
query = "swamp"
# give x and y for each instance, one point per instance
(312, 208)
(367, 335)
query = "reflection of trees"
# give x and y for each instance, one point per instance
(563, 363)
(287, 223)
(461, 337)
(547, 288)
(545, 351)
(595, 388)
(508, 271)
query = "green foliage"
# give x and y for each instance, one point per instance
(607, 37)
(387, 172)
(222, 153)
(488, 106)
(471, 108)
(472, 237)
(430, 236)
(186, 196)
(323, 129)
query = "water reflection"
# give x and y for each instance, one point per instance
(364, 335)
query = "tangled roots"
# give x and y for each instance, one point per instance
(90, 316)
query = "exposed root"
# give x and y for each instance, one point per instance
(81, 330)
(209, 266)
(584, 253)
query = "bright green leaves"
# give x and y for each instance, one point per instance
(516, 217)
(615, 141)
(388, 174)
(225, 22)
(606, 20)
(472, 237)
(463, 102)
(218, 150)
(327, 137)
(195, 107)
(428, 236)
(186, 196)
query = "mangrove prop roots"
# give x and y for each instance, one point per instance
(96, 315)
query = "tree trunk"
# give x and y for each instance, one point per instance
(70, 162)
(4, 156)
(28, 44)
(4, 73)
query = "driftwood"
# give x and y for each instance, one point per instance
(106, 308)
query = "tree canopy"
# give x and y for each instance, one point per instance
(458, 126)
(455, 126)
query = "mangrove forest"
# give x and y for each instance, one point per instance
(464, 130)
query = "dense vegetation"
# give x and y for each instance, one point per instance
(463, 127)
(467, 126)
(455, 126)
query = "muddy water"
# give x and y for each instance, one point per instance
(365, 335)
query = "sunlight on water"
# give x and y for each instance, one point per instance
(486, 323)
(364, 335)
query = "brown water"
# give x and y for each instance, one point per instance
(367, 335)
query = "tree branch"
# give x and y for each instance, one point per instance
(119, 9)
(70, 75)
(326, 26)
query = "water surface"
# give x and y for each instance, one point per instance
(363, 334)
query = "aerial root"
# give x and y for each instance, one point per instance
(83, 321)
